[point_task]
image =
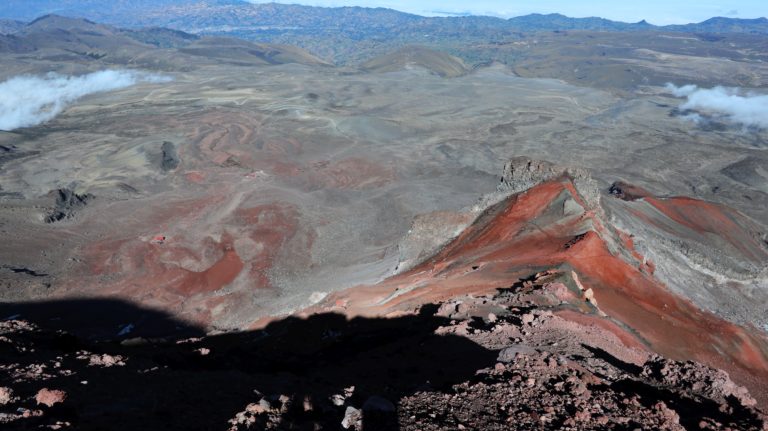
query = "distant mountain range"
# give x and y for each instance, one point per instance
(342, 35)
(200, 15)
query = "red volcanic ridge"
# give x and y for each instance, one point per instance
(556, 226)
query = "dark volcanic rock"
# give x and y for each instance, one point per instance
(535, 392)
(627, 192)
(67, 204)
(170, 160)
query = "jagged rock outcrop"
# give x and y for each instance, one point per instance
(67, 203)
(523, 173)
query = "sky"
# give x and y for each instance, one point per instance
(659, 12)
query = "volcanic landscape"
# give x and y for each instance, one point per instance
(254, 224)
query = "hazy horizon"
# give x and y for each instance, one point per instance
(654, 11)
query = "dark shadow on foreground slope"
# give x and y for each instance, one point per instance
(99, 319)
(201, 384)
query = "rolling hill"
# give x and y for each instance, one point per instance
(245, 52)
(436, 62)
(78, 39)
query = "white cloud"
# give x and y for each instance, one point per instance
(733, 104)
(30, 100)
(683, 91)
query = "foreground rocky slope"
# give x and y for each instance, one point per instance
(501, 361)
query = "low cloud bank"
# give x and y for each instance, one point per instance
(733, 104)
(30, 100)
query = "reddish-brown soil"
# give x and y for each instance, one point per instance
(706, 218)
(174, 268)
(350, 173)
